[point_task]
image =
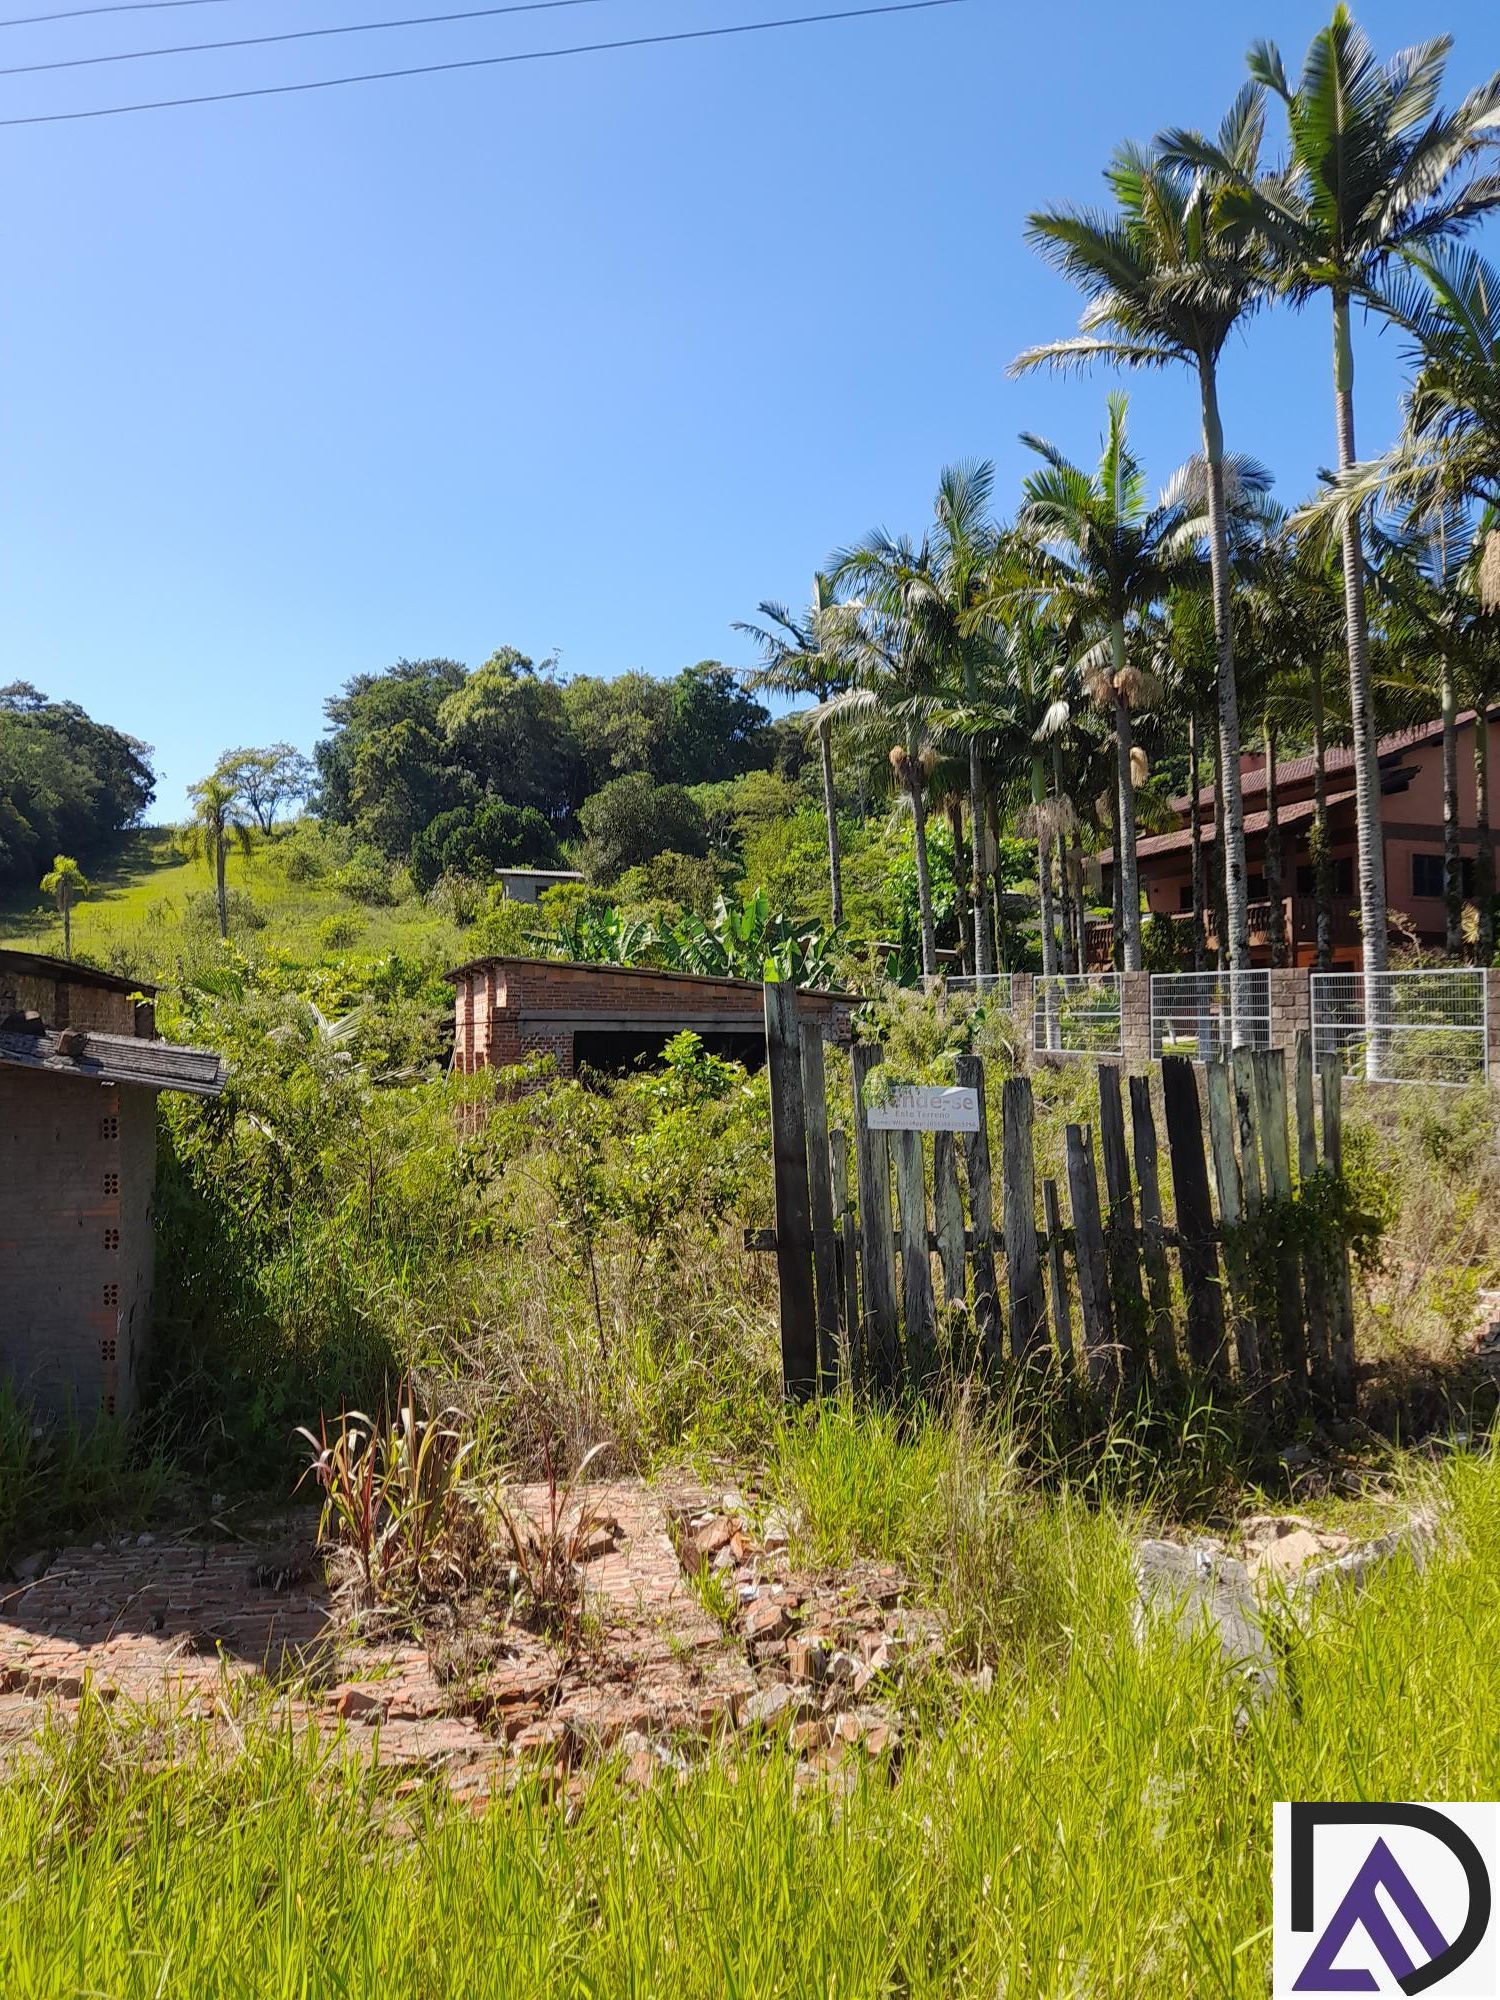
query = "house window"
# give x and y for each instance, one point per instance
(1427, 875)
(1185, 896)
(1343, 878)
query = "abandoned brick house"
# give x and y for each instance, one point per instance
(1411, 822)
(610, 1017)
(80, 1071)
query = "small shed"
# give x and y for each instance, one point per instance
(526, 885)
(80, 1072)
(610, 1017)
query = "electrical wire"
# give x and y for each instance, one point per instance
(114, 7)
(292, 35)
(479, 62)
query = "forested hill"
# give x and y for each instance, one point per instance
(455, 772)
(67, 783)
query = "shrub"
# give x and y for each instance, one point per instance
(475, 840)
(340, 932)
(367, 877)
(200, 911)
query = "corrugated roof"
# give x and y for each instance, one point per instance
(126, 1059)
(68, 968)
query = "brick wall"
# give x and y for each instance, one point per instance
(75, 1003)
(77, 1170)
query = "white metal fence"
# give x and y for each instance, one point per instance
(1204, 1014)
(1077, 1014)
(1404, 1027)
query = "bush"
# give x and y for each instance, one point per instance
(1159, 944)
(367, 877)
(340, 932)
(632, 819)
(476, 840)
(200, 911)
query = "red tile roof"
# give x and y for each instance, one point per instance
(1181, 839)
(1295, 770)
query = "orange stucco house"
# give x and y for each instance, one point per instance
(1411, 817)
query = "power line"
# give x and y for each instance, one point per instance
(291, 35)
(479, 62)
(115, 7)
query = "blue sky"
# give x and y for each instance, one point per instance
(584, 356)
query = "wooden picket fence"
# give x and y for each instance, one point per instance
(902, 1270)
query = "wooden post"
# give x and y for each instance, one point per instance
(1101, 1355)
(916, 1266)
(1023, 1263)
(1062, 1310)
(799, 1329)
(843, 1209)
(1153, 1238)
(1119, 1232)
(969, 1072)
(877, 1244)
(1341, 1304)
(1195, 1222)
(1242, 1063)
(948, 1215)
(1317, 1266)
(820, 1190)
(1291, 1329)
(1219, 1089)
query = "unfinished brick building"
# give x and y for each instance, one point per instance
(80, 1071)
(609, 1017)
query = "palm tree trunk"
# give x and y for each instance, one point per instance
(1195, 752)
(1275, 886)
(1372, 905)
(984, 962)
(1453, 867)
(220, 864)
(1229, 807)
(992, 824)
(1070, 960)
(955, 815)
(1484, 864)
(917, 790)
(831, 815)
(1220, 900)
(1127, 870)
(1043, 865)
(1322, 859)
(67, 917)
(1080, 911)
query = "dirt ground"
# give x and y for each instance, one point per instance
(189, 1625)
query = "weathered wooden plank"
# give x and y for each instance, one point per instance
(1023, 1263)
(1119, 1230)
(1197, 1254)
(920, 1311)
(1341, 1302)
(1057, 1265)
(1100, 1351)
(848, 1248)
(1242, 1064)
(948, 1216)
(820, 1193)
(1219, 1089)
(794, 1268)
(1317, 1265)
(1291, 1325)
(1153, 1236)
(969, 1074)
(872, 1160)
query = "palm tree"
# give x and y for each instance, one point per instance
(1167, 282)
(219, 819)
(801, 658)
(892, 693)
(1376, 168)
(936, 588)
(66, 883)
(1100, 558)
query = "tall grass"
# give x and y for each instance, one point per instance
(1098, 1822)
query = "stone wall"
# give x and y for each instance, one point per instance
(77, 1169)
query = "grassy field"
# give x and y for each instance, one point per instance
(1096, 1822)
(150, 912)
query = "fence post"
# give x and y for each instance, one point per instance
(820, 1192)
(948, 1215)
(1341, 1305)
(877, 1243)
(1101, 1354)
(1062, 1311)
(1195, 1222)
(1119, 1233)
(1023, 1264)
(1221, 1124)
(794, 1271)
(1315, 1263)
(843, 1208)
(1153, 1240)
(916, 1267)
(1270, 1087)
(969, 1071)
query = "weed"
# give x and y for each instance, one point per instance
(547, 1556)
